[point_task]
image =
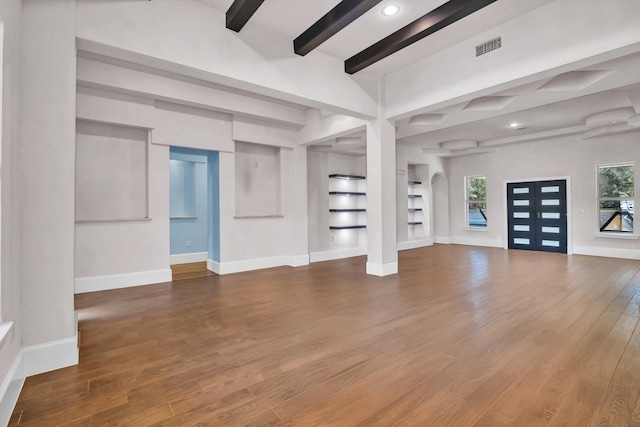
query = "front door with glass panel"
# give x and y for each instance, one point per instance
(537, 215)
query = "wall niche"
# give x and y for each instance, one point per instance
(258, 180)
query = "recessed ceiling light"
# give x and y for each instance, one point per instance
(514, 125)
(390, 10)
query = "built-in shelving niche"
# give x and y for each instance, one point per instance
(348, 202)
(415, 213)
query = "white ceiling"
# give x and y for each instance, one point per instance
(292, 17)
(554, 106)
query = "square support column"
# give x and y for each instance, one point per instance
(382, 252)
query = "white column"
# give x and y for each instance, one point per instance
(382, 253)
(300, 244)
(48, 191)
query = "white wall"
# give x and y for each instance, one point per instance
(118, 254)
(568, 156)
(320, 166)
(48, 157)
(250, 243)
(199, 40)
(106, 253)
(10, 292)
(423, 167)
(112, 248)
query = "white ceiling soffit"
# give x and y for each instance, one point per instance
(488, 103)
(350, 141)
(611, 117)
(525, 113)
(427, 119)
(574, 80)
(459, 144)
(610, 122)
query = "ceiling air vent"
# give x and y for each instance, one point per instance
(488, 46)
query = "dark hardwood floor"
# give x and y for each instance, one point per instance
(462, 336)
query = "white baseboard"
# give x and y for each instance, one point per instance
(443, 240)
(34, 360)
(10, 388)
(470, 241)
(336, 254)
(413, 244)
(213, 266)
(50, 356)
(607, 252)
(299, 260)
(189, 258)
(117, 281)
(382, 270)
(229, 267)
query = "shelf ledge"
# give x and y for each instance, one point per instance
(345, 176)
(347, 193)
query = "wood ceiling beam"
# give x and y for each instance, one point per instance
(240, 12)
(433, 21)
(335, 20)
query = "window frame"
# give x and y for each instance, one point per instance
(467, 201)
(599, 199)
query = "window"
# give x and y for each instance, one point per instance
(476, 200)
(615, 198)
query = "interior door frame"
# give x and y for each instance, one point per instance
(505, 225)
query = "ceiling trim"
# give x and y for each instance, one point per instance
(240, 12)
(343, 14)
(433, 21)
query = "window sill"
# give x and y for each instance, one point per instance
(475, 229)
(104, 221)
(623, 236)
(256, 216)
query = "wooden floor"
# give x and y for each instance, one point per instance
(462, 336)
(194, 270)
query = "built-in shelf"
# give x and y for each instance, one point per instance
(415, 209)
(415, 222)
(347, 193)
(414, 196)
(415, 182)
(345, 176)
(354, 207)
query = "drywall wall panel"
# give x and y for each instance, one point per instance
(111, 248)
(48, 170)
(111, 172)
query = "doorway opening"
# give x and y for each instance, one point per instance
(194, 211)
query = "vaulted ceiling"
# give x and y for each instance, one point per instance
(590, 101)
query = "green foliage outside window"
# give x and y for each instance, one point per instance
(476, 188)
(616, 181)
